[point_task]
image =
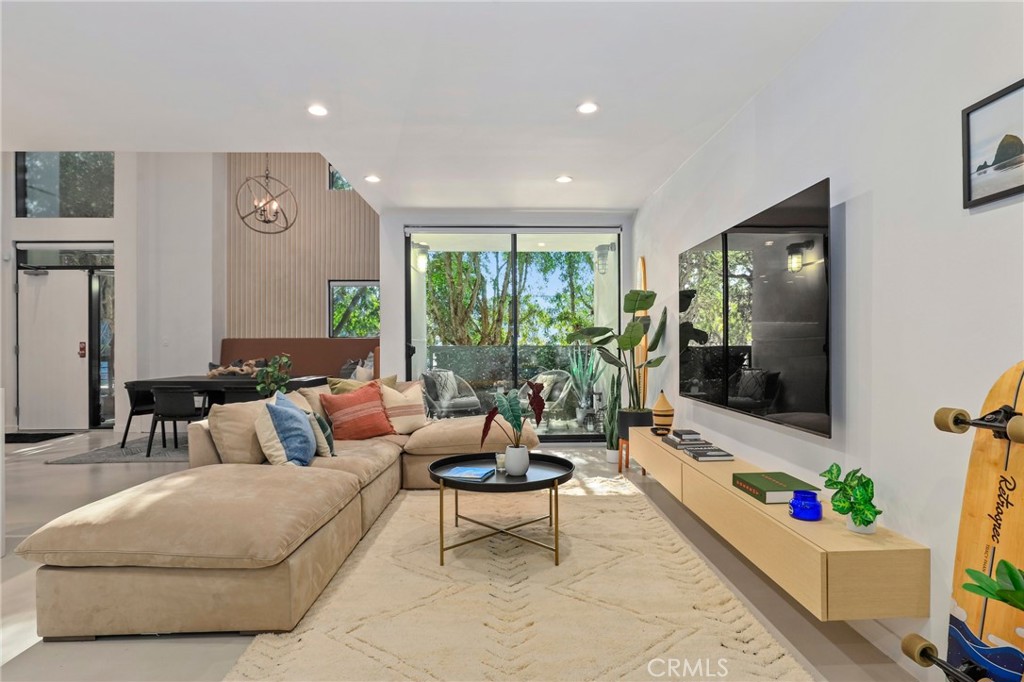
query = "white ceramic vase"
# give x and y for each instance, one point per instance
(611, 456)
(863, 530)
(517, 460)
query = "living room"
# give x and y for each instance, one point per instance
(446, 194)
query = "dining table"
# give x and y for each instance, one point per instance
(216, 390)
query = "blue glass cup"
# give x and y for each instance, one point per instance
(805, 506)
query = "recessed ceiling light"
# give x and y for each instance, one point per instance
(317, 109)
(587, 108)
(563, 179)
(371, 178)
(770, 242)
(541, 244)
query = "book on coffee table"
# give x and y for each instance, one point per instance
(471, 473)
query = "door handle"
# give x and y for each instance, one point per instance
(81, 349)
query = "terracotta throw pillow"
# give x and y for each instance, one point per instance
(357, 415)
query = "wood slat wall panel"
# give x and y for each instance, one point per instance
(277, 284)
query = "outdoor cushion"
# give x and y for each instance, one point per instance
(229, 516)
(462, 436)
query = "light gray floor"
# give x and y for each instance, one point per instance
(37, 493)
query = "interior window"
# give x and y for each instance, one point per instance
(354, 309)
(64, 184)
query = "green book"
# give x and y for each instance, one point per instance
(770, 487)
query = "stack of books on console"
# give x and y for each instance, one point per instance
(692, 444)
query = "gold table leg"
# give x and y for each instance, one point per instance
(556, 521)
(456, 507)
(440, 516)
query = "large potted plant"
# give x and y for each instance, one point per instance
(584, 373)
(623, 353)
(611, 420)
(517, 455)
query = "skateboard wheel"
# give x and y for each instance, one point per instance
(1015, 429)
(918, 649)
(952, 420)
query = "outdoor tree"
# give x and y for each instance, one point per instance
(355, 311)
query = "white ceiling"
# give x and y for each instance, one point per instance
(453, 105)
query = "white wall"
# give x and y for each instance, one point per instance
(169, 214)
(927, 297)
(392, 256)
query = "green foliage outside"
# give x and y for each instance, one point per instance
(69, 184)
(701, 271)
(469, 297)
(355, 311)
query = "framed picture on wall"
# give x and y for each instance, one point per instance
(993, 147)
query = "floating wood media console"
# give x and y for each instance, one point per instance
(834, 573)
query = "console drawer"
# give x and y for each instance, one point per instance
(659, 463)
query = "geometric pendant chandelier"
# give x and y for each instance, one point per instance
(265, 204)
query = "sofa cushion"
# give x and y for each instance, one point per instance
(358, 415)
(324, 435)
(312, 395)
(233, 429)
(286, 435)
(405, 409)
(339, 386)
(210, 517)
(462, 436)
(366, 459)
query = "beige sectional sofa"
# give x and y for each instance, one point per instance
(234, 547)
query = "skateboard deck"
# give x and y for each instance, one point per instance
(985, 631)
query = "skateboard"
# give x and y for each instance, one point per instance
(986, 621)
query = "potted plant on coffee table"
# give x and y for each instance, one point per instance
(517, 455)
(854, 497)
(623, 353)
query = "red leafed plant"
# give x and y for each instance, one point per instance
(509, 408)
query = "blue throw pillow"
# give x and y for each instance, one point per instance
(285, 434)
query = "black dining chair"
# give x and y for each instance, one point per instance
(140, 402)
(173, 404)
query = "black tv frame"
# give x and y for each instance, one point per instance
(743, 227)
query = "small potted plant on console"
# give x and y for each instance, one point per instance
(854, 497)
(517, 455)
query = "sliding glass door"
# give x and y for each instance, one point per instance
(490, 310)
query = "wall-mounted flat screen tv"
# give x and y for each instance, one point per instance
(754, 315)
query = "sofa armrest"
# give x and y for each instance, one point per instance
(201, 449)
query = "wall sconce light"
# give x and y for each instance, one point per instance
(795, 255)
(420, 259)
(602, 257)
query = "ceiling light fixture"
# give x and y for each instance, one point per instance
(541, 244)
(587, 108)
(372, 178)
(563, 179)
(317, 109)
(265, 204)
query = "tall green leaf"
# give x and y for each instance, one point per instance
(659, 332)
(638, 299)
(610, 357)
(631, 335)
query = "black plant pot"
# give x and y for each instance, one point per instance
(628, 418)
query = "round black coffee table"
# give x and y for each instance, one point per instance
(545, 472)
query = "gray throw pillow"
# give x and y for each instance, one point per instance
(752, 383)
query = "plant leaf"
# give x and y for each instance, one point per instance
(832, 484)
(832, 473)
(659, 332)
(862, 494)
(631, 335)
(1014, 598)
(653, 362)
(862, 516)
(980, 591)
(610, 357)
(841, 502)
(1008, 576)
(537, 403)
(487, 424)
(589, 333)
(851, 476)
(983, 580)
(637, 300)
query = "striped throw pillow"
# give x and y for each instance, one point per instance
(405, 408)
(357, 415)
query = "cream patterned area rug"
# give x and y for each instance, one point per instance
(630, 599)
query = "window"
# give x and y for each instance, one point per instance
(64, 184)
(335, 180)
(354, 309)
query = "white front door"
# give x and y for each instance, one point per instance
(53, 362)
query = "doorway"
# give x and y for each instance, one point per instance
(65, 336)
(490, 309)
